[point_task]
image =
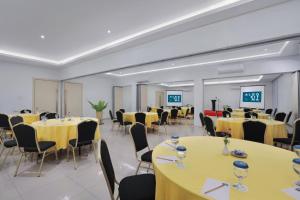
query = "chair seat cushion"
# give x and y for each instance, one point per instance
(10, 143)
(147, 157)
(127, 123)
(44, 145)
(73, 143)
(139, 187)
(223, 134)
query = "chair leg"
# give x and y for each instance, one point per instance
(56, 156)
(68, 154)
(95, 152)
(74, 159)
(148, 168)
(41, 165)
(137, 170)
(5, 158)
(166, 129)
(19, 163)
(3, 148)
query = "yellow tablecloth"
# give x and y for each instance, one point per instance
(150, 117)
(183, 111)
(274, 129)
(270, 170)
(60, 132)
(242, 115)
(242, 110)
(30, 118)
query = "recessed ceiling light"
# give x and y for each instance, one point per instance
(244, 80)
(108, 31)
(42, 37)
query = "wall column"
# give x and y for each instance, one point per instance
(198, 100)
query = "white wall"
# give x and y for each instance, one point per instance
(151, 94)
(16, 80)
(229, 94)
(95, 88)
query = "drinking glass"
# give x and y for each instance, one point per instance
(296, 167)
(175, 140)
(56, 116)
(181, 152)
(240, 170)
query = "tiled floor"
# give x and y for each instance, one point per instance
(59, 181)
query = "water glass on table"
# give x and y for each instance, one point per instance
(240, 170)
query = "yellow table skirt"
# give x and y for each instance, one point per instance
(270, 170)
(274, 129)
(60, 132)
(242, 115)
(150, 117)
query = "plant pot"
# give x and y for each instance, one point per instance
(99, 116)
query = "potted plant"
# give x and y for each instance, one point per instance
(99, 107)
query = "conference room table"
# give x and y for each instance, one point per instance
(242, 115)
(270, 170)
(274, 129)
(60, 130)
(242, 110)
(150, 117)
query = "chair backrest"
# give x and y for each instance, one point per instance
(120, 117)
(43, 114)
(187, 112)
(159, 111)
(122, 110)
(288, 117)
(25, 111)
(174, 113)
(209, 125)
(201, 115)
(86, 131)
(247, 109)
(269, 111)
(138, 133)
(280, 116)
(140, 117)
(247, 115)
(254, 131)
(192, 110)
(164, 118)
(107, 168)
(111, 115)
(161, 107)
(4, 123)
(229, 109)
(254, 115)
(275, 112)
(149, 109)
(296, 132)
(14, 120)
(25, 136)
(178, 108)
(226, 113)
(51, 115)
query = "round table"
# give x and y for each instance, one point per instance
(274, 129)
(270, 170)
(60, 131)
(242, 115)
(242, 110)
(150, 117)
(29, 118)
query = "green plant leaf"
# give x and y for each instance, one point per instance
(99, 106)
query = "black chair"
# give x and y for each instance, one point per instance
(255, 115)
(269, 111)
(209, 125)
(247, 115)
(163, 121)
(149, 109)
(226, 113)
(192, 112)
(288, 117)
(139, 135)
(174, 115)
(140, 117)
(26, 138)
(85, 136)
(275, 112)
(201, 115)
(137, 187)
(229, 110)
(113, 120)
(290, 142)
(120, 120)
(25, 111)
(280, 116)
(51, 115)
(14, 120)
(178, 108)
(43, 114)
(254, 131)
(4, 123)
(159, 111)
(122, 110)
(247, 110)
(161, 107)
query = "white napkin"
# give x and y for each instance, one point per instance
(218, 194)
(166, 159)
(168, 145)
(292, 192)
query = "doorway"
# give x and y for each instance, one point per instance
(73, 99)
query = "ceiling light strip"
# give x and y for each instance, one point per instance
(233, 81)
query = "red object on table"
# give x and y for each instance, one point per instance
(213, 113)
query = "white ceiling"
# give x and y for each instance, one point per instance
(72, 27)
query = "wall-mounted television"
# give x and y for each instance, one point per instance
(174, 98)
